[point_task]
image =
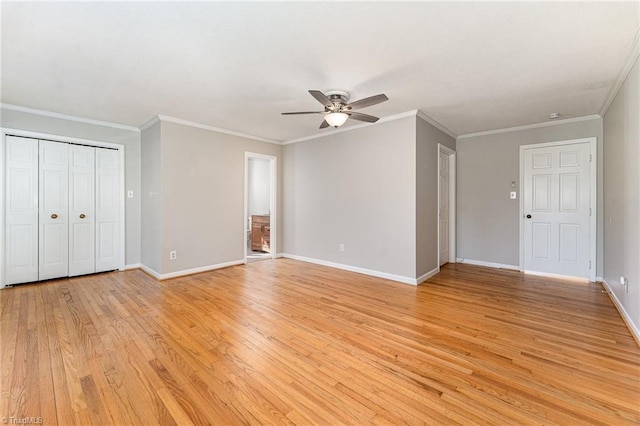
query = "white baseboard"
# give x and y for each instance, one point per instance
(487, 264)
(132, 266)
(379, 274)
(633, 328)
(150, 271)
(428, 275)
(192, 271)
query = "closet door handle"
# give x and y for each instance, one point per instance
(54, 216)
(82, 216)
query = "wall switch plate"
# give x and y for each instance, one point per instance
(129, 194)
(173, 255)
(512, 195)
(341, 247)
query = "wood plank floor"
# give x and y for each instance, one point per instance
(281, 341)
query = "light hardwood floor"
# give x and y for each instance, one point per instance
(281, 341)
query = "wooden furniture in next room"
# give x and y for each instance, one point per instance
(260, 233)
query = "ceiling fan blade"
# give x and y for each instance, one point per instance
(320, 97)
(362, 117)
(303, 112)
(371, 100)
(324, 124)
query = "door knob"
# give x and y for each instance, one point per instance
(528, 216)
(54, 216)
(82, 216)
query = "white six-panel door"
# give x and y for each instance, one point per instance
(21, 230)
(82, 253)
(54, 206)
(556, 202)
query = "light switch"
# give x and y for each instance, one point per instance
(512, 195)
(129, 194)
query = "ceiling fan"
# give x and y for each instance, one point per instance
(337, 109)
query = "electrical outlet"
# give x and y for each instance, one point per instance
(341, 247)
(173, 255)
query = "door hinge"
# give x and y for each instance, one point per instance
(589, 264)
(590, 158)
(589, 211)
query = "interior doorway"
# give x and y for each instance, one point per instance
(259, 235)
(446, 205)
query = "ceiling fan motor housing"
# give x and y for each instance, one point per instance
(338, 97)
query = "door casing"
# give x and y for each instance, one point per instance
(593, 202)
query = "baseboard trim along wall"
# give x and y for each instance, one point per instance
(132, 266)
(428, 275)
(635, 331)
(150, 271)
(378, 274)
(192, 271)
(487, 264)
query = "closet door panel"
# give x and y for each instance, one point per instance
(107, 209)
(21, 201)
(53, 185)
(81, 210)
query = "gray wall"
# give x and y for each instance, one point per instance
(622, 194)
(356, 188)
(427, 155)
(487, 220)
(131, 141)
(151, 195)
(203, 196)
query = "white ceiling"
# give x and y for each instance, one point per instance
(469, 66)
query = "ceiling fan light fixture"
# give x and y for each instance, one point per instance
(336, 119)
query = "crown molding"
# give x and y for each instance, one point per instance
(180, 121)
(436, 124)
(406, 114)
(632, 57)
(531, 126)
(150, 122)
(58, 115)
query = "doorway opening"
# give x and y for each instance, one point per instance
(259, 235)
(446, 205)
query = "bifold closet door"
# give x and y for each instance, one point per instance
(107, 209)
(53, 195)
(82, 253)
(63, 205)
(21, 201)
